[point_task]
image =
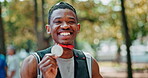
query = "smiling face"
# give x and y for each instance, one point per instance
(63, 26)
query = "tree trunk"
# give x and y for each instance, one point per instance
(43, 20)
(127, 40)
(36, 22)
(42, 42)
(2, 38)
(118, 55)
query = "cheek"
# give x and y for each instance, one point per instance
(76, 29)
(52, 30)
(54, 33)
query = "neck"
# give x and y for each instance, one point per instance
(67, 53)
(67, 46)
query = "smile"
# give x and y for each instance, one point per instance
(65, 33)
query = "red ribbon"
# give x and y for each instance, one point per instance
(67, 46)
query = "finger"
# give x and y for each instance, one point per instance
(44, 69)
(51, 55)
(45, 58)
(49, 68)
(48, 62)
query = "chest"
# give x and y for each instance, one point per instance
(66, 67)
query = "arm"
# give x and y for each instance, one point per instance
(48, 68)
(11, 74)
(29, 68)
(95, 70)
(6, 69)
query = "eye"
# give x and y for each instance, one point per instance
(58, 22)
(71, 22)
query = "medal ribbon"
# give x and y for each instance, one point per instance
(67, 46)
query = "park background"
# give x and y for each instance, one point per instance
(108, 30)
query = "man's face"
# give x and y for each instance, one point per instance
(10, 51)
(63, 26)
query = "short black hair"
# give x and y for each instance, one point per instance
(12, 48)
(60, 5)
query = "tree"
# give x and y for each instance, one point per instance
(42, 41)
(102, 21)
(2, 38)
(127, 40)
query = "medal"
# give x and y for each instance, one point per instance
(57, 50)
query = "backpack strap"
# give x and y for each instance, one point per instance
(89, 63)
(88, 60)
(39, 73)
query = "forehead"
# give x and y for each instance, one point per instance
(60, 13)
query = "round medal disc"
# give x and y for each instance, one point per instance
(57, 50)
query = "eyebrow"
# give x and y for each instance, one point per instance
(61, 17)
(72, 18)
(57, 18)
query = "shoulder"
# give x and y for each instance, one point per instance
(2, 57)
(30, 59)
(95, 69)
(94, 65)
(3, 60)
(29, 67)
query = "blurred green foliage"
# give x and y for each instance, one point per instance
(99, 19)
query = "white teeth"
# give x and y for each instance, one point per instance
(64, 33)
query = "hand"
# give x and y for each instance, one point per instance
(48, 66)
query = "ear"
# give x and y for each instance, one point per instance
(47, 29)
(78, 25)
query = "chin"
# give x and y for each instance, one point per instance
(66, 43)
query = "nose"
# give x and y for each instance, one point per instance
(65, 25)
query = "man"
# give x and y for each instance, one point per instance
(63, 27)
(13, 63)
(3, 66)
